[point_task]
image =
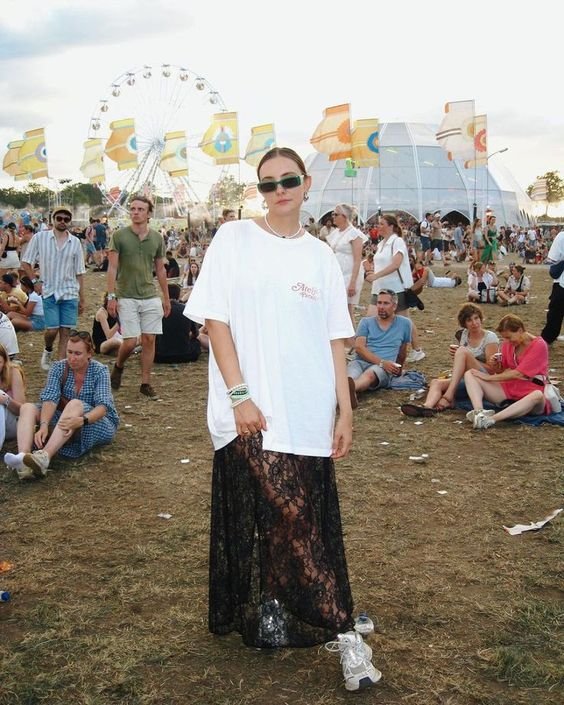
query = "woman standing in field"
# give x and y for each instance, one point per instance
(272, 298)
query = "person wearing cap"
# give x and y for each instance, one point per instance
(9, 242)
(61, 263)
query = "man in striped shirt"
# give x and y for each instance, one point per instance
(61, 263)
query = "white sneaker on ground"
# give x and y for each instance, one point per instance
(37, 462)
(46, 359)
(471, 415)
(416, 356)
(482, 421)
(356, 656)
(363, 624)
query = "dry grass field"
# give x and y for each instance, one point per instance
(109, 601)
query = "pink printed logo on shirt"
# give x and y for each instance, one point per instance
(307, 292)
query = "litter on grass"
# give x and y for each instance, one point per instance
(533, 526)
(164, 515)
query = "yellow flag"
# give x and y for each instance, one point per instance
(174, 155)
(262, 140)
(32, 157)
(333, 134)
(221, 139)
(480, 136)
(122, 144)
(366, 142)
(11, 160)
(92, 166)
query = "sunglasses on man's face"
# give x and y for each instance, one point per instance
(286, 182)
(62, 218)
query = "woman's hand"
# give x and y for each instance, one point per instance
(70, 424)
(342, 437)
(351, 290)
(248, 418)
(41, 435)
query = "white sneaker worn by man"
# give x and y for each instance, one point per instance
(356, 656)
(46, 359)
(416, 356)
(37, 462)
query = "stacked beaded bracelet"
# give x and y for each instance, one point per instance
(238, 394)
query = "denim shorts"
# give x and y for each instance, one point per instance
(37, 322)
(358, 367)
(60, 314)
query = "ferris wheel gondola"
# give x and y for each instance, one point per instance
(161, 114)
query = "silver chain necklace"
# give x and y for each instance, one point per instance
(284, 237)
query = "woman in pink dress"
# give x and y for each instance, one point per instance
(520, 376)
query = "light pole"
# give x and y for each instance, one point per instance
(499, 151)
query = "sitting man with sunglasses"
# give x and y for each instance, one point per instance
(61, 263)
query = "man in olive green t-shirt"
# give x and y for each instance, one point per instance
(134, 252)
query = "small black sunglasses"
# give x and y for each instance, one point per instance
(82, 334)
(63, 218)
(286, 182)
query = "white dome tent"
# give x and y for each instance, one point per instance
(416, 176)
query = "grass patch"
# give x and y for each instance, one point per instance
(529, 653)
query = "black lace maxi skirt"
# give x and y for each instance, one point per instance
(278, 573)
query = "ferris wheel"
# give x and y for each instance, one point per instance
(162, 112)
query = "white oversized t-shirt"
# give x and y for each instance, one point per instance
(284, 302)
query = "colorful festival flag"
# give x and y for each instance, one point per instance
(122, 144)
(333, 134)
(32, 158)
(221, 139)
(174, 159)
(11, 163)
(251, 192)
(480, 130)
(262, 139)
(92, 166)
(366, 142)
(456, 131)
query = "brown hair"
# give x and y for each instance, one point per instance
(8, 370)
(84, 336)
(143, 199)
(511, 323)
(465, 313)
(477, 265)
(283, 152)
(393, 221)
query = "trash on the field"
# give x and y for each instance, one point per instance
(384, 443)
(533, 526)
(5, 566)
(434, 479)
(442, 492)
(417, 459)
(128, 425)
(417, 394)
(185, 460)
(128, 406)
(418, 423)
(164, 515)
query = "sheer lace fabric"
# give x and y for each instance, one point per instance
(278, 573)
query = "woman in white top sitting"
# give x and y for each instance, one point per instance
(346, 241)
(28, 316)
(474, 350)
(517, 288)
(480, 279)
